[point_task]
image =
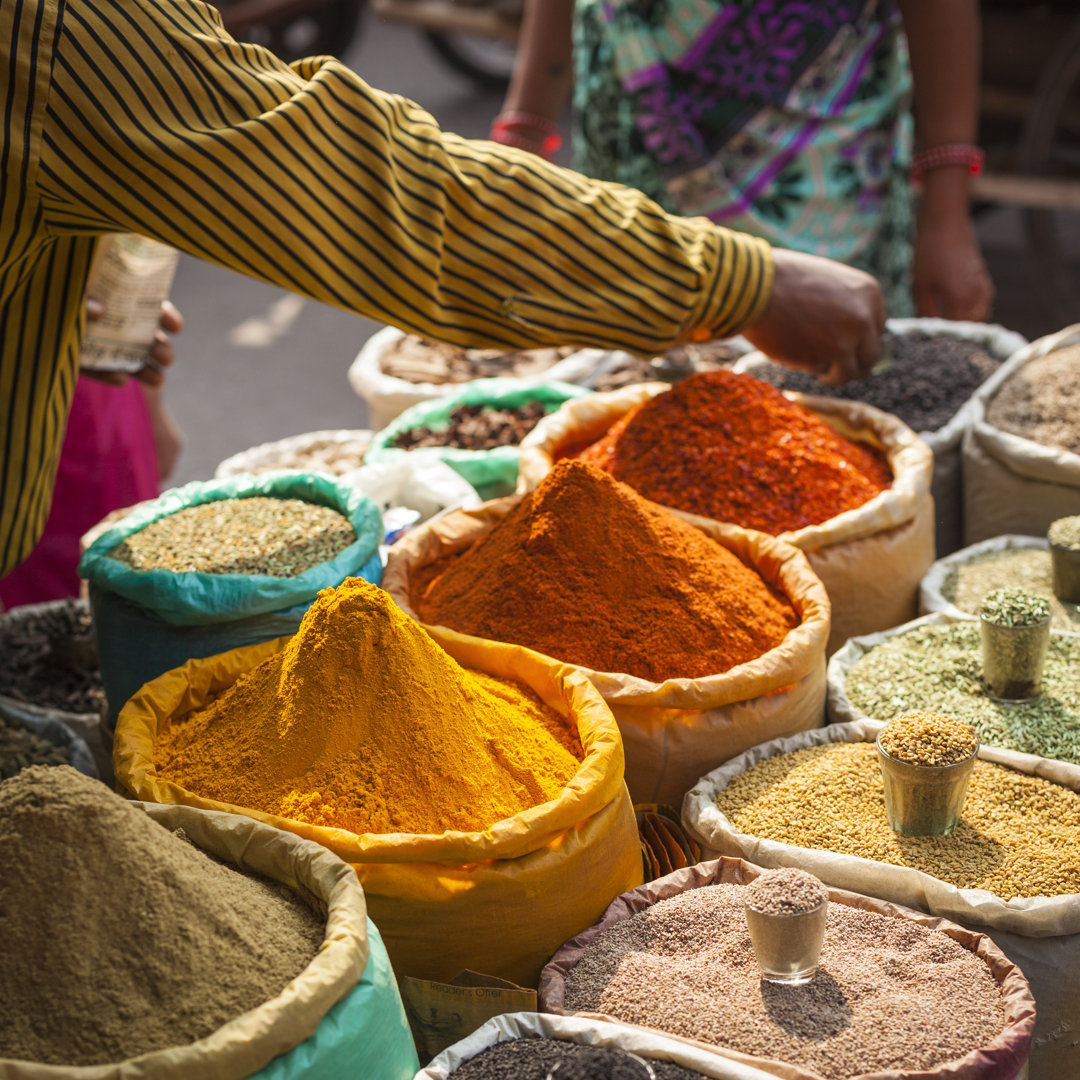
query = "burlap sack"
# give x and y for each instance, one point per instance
(498, 902)
(1012, 484)
(340, 1017)
(871, 559)
(1040, 934)
(671, 729)
(1001, 1059)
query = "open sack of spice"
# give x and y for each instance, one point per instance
(896, 994)
(1022, 451)
(477, 793)
(476, 430)
(166, 942)
(842, 481)
(703, 639)
(1010, 870)
(531, 1046)
(218, 564)
(928, 378)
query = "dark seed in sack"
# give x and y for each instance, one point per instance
(926, 380)
(1041, 401)
(20, 749)
(538, 1059)
(888, 993)
(277, 537)
(476, 427)
(47, 658)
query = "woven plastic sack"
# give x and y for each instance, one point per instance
(947, 484)
(497, 902)
(333, 451)
(672, 729)
(585, 1031)
(492, 472)
(1039, 934)
(340, 1018)
(55, 731)
(1012, 484)
(871, 559)
(148, 621)
(387, 396)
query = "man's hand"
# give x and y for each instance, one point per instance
(822, 317)
(161, 355)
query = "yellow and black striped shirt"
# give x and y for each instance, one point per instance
(144, 116)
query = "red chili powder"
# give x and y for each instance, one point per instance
(732, 448)
(587, 571)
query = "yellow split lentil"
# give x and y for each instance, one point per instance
(1019, 836)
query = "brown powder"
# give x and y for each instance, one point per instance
(120, 937)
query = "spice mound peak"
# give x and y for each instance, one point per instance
(362, 722)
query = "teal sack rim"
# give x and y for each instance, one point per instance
(195, 598)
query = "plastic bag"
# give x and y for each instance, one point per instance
(671, 730)
(871, 559)
(57, 732)
(498, 902)
(493, 473)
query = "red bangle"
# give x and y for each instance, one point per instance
(517, 118)
(935, 157)
(510, 132)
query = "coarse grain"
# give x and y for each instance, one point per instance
(256, 535)
(318, 453)
(1012, 606)
(539, 1058)
(1065, 532)
(1026, 568)
(476, 427)
(1019, 835)
(21, 748)
(927, 379)
(888, 994)
(940, 667)
(421, 360)
(786, 890)
(1041, 401)
(926, 738)
(47, 657)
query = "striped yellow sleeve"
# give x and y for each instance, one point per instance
(308, 178)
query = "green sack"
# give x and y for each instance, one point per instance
(492, 472)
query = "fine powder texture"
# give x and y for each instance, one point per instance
(585, 570)
(535, 1059)
(888, 994)
(363, 723)
(120, 937)
(1041, 401)
(1019, 836)
(729, 447)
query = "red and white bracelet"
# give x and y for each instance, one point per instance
(935, 157)
(527, 131)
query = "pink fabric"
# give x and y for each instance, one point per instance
(108, 461)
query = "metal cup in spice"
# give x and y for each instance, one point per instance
(786, 911)
(1063, 536)
(1015, 627)
(926, 760)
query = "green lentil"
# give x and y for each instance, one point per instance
(257, 535)
(1019, 836)
(1065, 532)
(923, 738)
(1012, 606)
(940, 667)
(1027, 568)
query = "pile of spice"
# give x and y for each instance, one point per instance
(1026, 568)
(1065, 533)
(47, 658)
(120, 937)
(1012, 606)
(420, 360)
(476, 427)
(942, 666)
(786, 890)
(538, 1059)
(888, 993)
(1019, 836)
(925, 380)
(256, 535)
(362, 722)
(930, 739)
(20, 748)
(732, 448)
(585, 570)
(1041, 401)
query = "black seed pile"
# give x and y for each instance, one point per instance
(536, 1059)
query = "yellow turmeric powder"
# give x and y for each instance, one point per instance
(363, 723)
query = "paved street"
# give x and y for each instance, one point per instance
(256, 363)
